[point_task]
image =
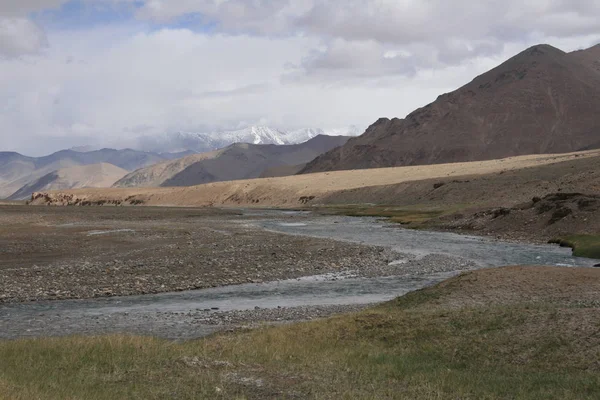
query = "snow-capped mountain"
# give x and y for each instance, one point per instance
(202, 142)
(254, 135)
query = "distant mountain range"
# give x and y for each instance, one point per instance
(18, 171)
(541, 101)
(21, 175)
(94, 175)
(204, 142)
(237, 161)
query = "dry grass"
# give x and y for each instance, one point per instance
(439, 343)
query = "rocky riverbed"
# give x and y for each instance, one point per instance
(49, 253)
(135, 270)
(171, 325)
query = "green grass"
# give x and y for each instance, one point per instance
(413, 217)
(410, 348)
(582, 245)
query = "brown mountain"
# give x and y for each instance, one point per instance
(238, 161)
(17, 172)
(589, 57)
(101, 175)
(541, 101)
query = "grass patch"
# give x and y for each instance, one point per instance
(409, 348)
(402, 215)
(582, 245)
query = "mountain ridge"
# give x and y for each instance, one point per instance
(237, 161)
(542, 100)
(257, 134)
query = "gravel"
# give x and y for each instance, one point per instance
(53, 257)
(15, 323)
(49, 254)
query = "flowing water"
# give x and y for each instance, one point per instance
(485, 252)
(142, 314)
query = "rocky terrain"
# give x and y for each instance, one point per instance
(543, 100)
(237, 161)
(66, 253)
(553, 216)
(171, 325)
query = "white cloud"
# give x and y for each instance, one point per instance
(287, 63)
(20, 36)
(233, 16)
(389, 21)
(433, 33)
(20, 8)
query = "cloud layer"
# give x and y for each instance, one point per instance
(20, 36)
(158, 66)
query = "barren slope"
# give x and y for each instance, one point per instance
(541, 101)
(17, 170)
(589, 57)
(101, 175)
(156, 175)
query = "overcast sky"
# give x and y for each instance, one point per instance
(75, 71)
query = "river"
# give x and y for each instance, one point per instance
(178, 315)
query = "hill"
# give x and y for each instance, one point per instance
(237, 161)
(18, 171)
(541, 101)
(101, 175)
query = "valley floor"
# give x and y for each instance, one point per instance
(51, 256)
(496, 333)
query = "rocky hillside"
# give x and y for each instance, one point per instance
(541, 101)
(238, 161)
(552, 216)
(88, 176)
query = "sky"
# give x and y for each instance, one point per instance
(81, 72)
